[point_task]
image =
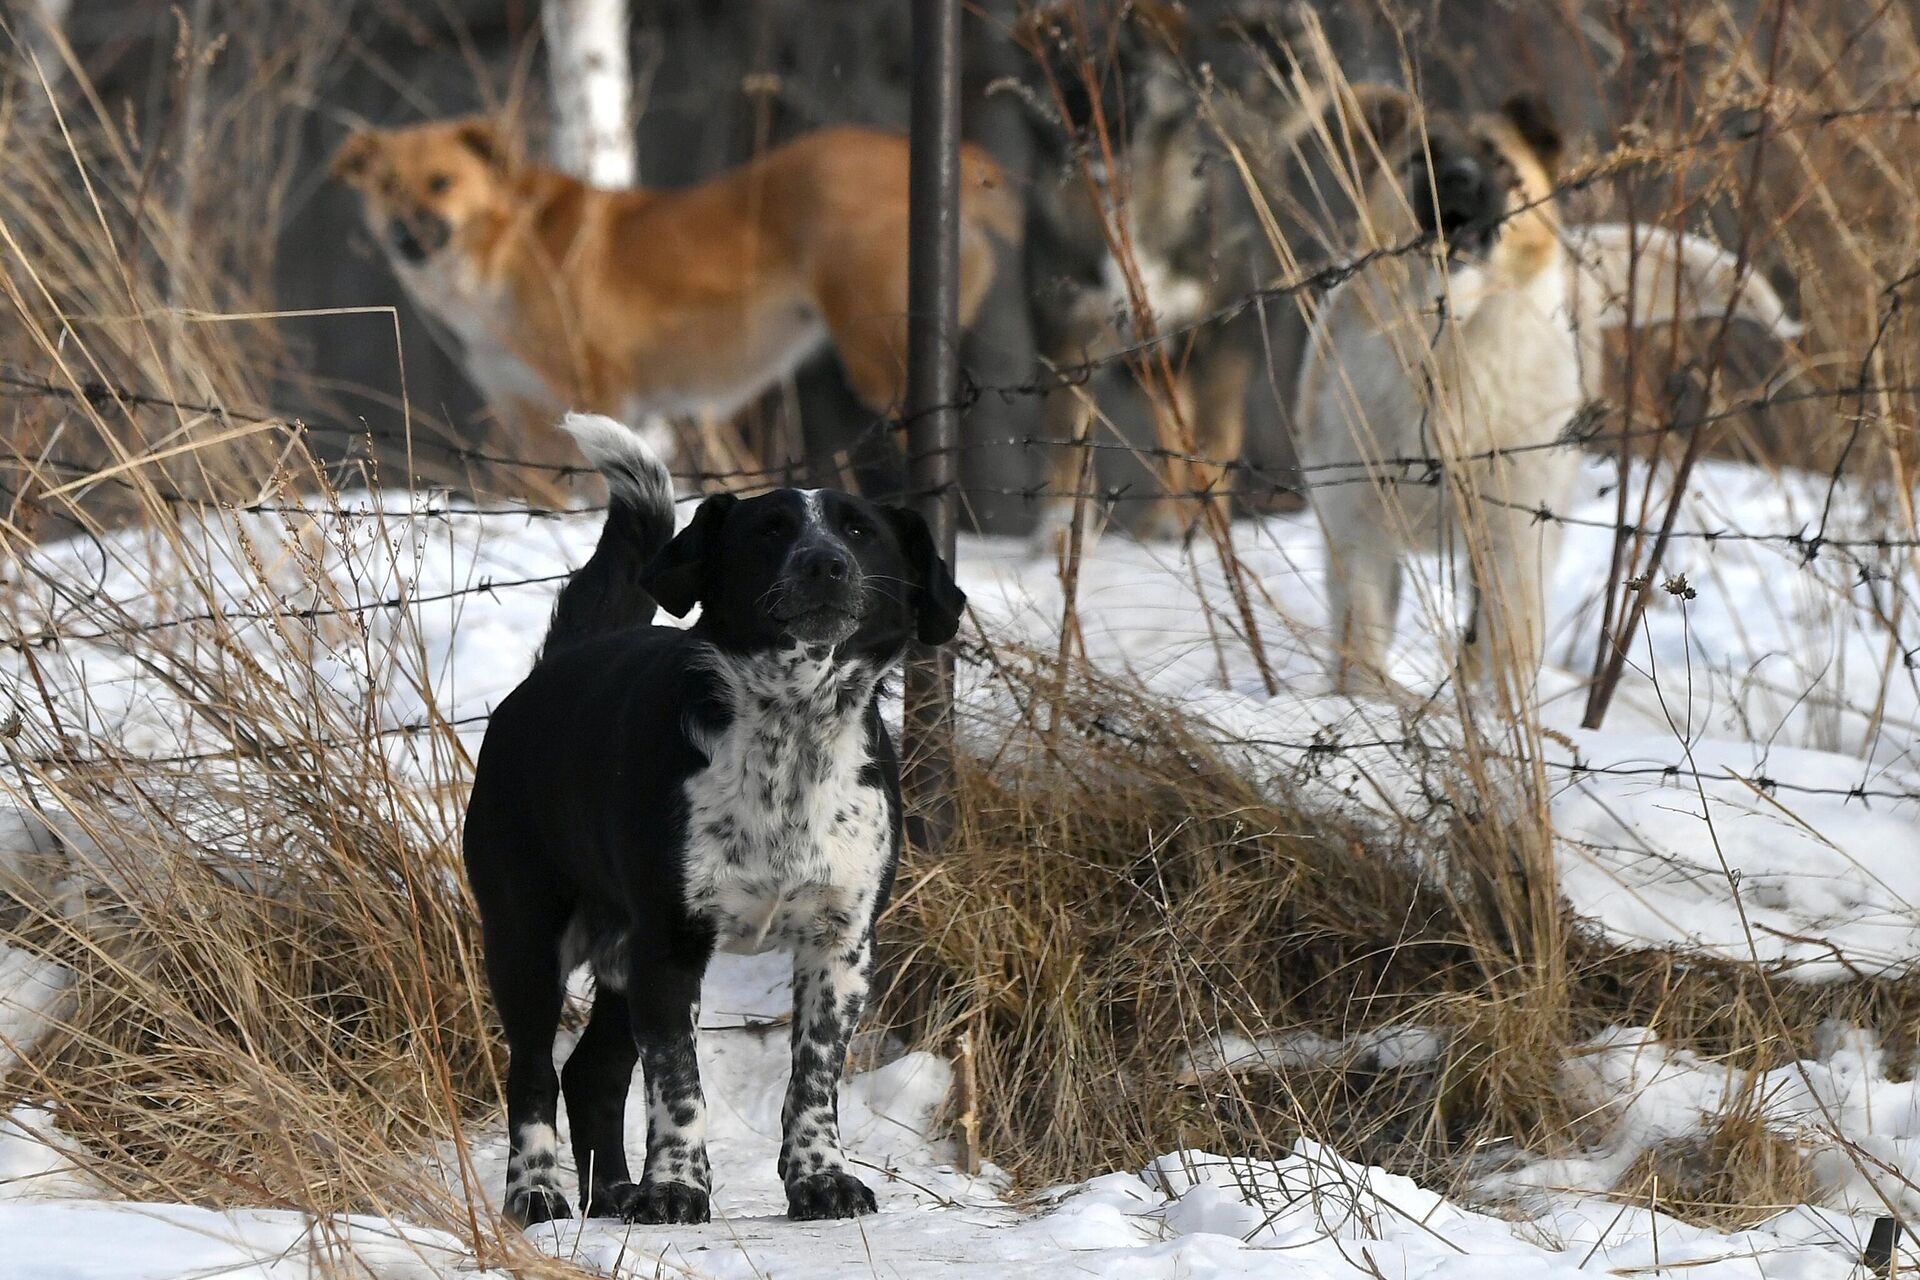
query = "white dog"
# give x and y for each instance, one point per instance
(1490, 343)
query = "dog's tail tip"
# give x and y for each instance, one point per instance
(633, 468)
(604, 594)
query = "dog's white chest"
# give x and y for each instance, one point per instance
(786, 844)
(480, 319)
(1516, 379)
(1173, 298)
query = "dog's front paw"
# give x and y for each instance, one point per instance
(611, 1200)
(531, 1205)
(663, 1202)
(834, 1194)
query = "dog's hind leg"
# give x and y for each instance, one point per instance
(830, 981)
(595, 1080)
(663, 999)
(862, 296)
(1176, 512)
(523, 968)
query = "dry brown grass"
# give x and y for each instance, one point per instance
(275, 998)
(1120, 885)
(1120, 893)
(1740, 1172)
(272, 1017)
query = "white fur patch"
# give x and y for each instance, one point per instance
(1413, 363)
(785, 844)
(477, 313)
(1173, 298)
(632, 461)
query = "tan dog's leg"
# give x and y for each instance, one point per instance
(1175, 513)
(1363, 596)
(1221, 377)
(1363, 581)
(1069, 474)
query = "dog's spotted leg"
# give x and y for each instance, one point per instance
(533, 1166)
(830, 981)
(676, 1184)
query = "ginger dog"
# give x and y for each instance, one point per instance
(1481, 353)
(643, 304)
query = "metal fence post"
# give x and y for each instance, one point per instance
(933, 385)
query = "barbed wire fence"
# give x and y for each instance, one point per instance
(1806, 543)
(1867, 557)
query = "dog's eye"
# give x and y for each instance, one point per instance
(438, 183)
(775, 529)
(855, 527)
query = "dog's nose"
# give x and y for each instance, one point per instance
(419, 236)
(822, 564)
(405, 243)
(1459, 181)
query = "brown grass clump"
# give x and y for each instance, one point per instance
(1740, 1172)
(1121, 893)
(269, 1019)
(1119, 885)
(276, 997)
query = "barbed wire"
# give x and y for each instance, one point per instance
(1242, 479)
(1247, 480)
(1318, 748)
(489, 586)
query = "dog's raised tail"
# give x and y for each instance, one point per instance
(604, 594)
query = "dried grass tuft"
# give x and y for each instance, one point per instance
(1740, 1172)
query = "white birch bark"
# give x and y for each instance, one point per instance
(37, 26)
(592, 83)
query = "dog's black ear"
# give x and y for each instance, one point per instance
(1371, 118)
(676, 577)
(1534, 121)
(938, 600)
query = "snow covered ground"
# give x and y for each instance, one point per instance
(1760, 799)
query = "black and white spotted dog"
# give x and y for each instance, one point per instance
(650, 795)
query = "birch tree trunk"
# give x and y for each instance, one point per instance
(37, 28)
(587, 64)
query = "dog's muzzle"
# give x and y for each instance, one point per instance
(1462, 197)
(417, 238)
(821, 596)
